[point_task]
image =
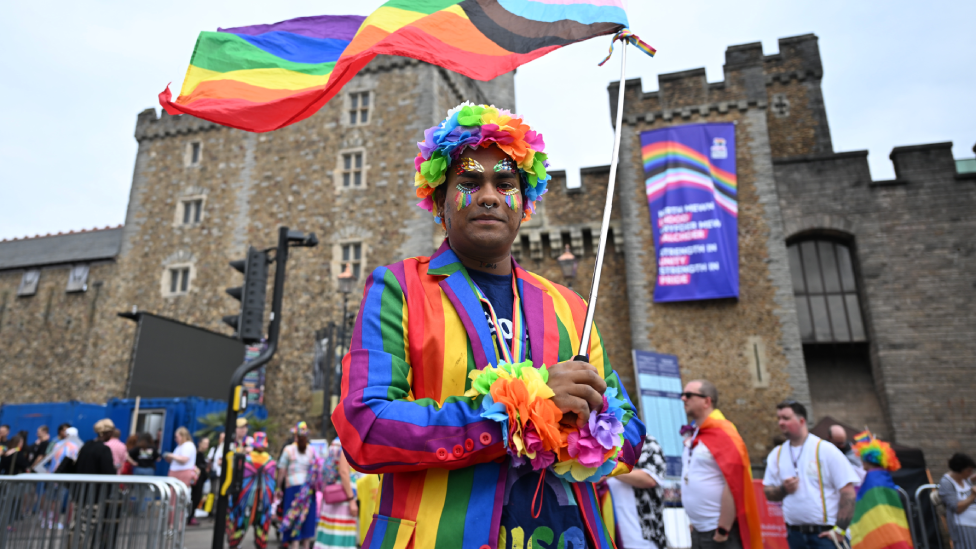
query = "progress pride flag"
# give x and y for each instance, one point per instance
(692, 193)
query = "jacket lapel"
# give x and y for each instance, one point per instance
(460, 291)
(540, 318)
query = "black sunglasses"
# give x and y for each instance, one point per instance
(689, 395)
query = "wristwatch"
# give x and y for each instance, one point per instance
(722, 531)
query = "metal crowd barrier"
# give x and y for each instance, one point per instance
(906, 501)
(92, 512)
(918, 518)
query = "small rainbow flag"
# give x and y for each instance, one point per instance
(879, 518)
(263, 77)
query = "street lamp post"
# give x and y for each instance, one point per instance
(569, 263)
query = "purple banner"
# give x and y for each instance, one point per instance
(692, 194)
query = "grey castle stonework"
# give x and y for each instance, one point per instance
(911, 237)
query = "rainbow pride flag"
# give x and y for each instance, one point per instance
(264, 77)
(879, 518)
(730, 452)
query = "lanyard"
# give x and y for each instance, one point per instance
(691, 449)
(796, 459)
(517, 350)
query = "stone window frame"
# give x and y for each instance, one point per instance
(340, 169)
(166, 280)
(29, 283)
(849, 294)
(348, 108)
(194, 147)
(180, 214)
(79, 271)
(338, 263)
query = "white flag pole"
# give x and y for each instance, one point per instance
(584, 349)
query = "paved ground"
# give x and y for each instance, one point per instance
(201, 537)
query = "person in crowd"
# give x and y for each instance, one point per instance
(240, 434)
(65, 454)
(183, 459)
(16, 458)
(337, 519)
(814, 481)
(409, 408)
(299, 476)
(956, 492)
(879, 518)
(716, 476)
(143, 456)
(252, 505)
(118, 449)
(213, 460)
(4, 433)
(38, 451)
(95, 457)
(638, 500)
(838, 436)
(203, 473)
(127, 462)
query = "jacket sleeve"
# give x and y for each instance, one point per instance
(634, 430)
(382, 427)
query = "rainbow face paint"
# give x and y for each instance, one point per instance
(505, 165)
(513, 197)
(463, 198)
(469, 165)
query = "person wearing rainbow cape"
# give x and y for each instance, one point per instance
(716, 476)
(460, 384)
(252, 506)
(879, 519)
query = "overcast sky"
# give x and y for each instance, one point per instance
(75, 75)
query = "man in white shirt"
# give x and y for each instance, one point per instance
(705, 493)
(814, 481)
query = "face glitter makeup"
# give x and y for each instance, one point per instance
(505, 165)
(463, 198)
(469, 165)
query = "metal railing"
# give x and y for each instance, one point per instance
(92, 512)
(919, 516)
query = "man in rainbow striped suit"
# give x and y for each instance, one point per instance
(429, 326)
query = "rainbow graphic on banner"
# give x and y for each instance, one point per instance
(263, 77)
(692, 193)
(684, 166)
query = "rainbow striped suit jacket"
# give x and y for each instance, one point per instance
(421, 329)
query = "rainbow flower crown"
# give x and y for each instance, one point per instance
(470, 125)
(518, 398)
(875, 452)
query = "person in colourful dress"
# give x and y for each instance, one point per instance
(461, 386)
(337, 520)
(252, 506)
(879, 519)
(299, 478)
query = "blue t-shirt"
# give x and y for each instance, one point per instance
(498, 290)
(559, 523)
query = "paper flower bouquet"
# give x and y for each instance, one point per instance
(518, 398)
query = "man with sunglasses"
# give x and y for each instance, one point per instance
(716, 486)
(814, 481)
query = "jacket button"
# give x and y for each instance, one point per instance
(441, 454)
(485, 439)
(458, 451)
(469, 445)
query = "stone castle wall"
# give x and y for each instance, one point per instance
(915, 259)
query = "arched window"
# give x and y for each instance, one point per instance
(835, 346)
(825, 288)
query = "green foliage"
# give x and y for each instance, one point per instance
(213, 425)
